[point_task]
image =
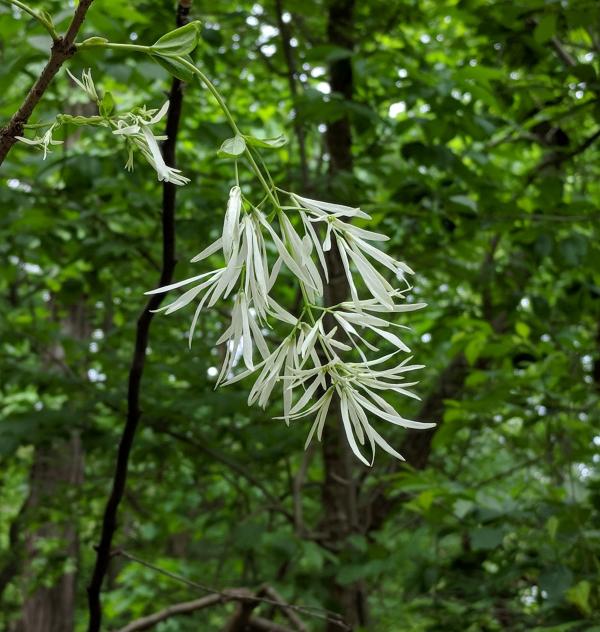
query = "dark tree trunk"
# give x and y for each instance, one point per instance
(57, 467)
(51, 609)
(339, 487)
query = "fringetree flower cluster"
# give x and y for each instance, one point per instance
(322, 360)
(312, 363)
(134, 127)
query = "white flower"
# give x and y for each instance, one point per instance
(231, 223)
(241, 335)
(244, 250)
(356, 385)
(43, 142)
(310, 362)
(353, 246)
(328, 209)
(295, 255)
(136, 128)
(86, 84)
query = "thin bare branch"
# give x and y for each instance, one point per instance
(187, 607)
(62, 49)
(311, 611)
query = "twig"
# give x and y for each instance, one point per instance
(562, 52)
(47, 24)
(187, 607)
(62, 49)
(109, 523)
(557, 159)
(290, 614)
(312, 611)
(504, 473)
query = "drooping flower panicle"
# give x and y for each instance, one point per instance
(315, 362)
(311, 363)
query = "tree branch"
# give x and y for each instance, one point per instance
(556, 159)
(62, 49)
(187, 607)
(260, 624)
(109, 523)
(243, 594)
(293, 618)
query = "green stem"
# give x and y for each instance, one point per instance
(100, 43)
(47, 24)
(234, 128)
(211, 88)
(264, 166)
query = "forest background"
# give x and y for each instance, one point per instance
(469, 131)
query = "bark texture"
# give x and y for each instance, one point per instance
(57, 468)
(339, 487)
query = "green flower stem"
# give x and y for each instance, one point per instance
(47, 24)
(98, 42)
(234, 128)
(273, 188)
(37, 125)
(211, 88)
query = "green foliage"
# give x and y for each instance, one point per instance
(471, 145)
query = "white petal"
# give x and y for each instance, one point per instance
(337, 209)
(216, 245)
(346, 264)
(348, 427)
(173, 286)
(390, 337)
(157, 117)
(231, 221)
(382, 443)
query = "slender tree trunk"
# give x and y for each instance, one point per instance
(339, 487)
(51, 608)
(57, 466)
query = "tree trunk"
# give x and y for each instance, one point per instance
(339, 486)
(57, 466)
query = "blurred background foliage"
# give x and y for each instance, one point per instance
(474, 138)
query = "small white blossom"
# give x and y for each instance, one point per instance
(356, 384)
(244, 251)
(137, 129)
(86, 84)
(353, 247)
(43, 142)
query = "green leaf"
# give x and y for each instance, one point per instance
(232, 147)
(466, 201)
(579, 596)
(462, 507)
(175, 67)
(522, 330)
(552, 527)
(556, 581)
(273, 143)
(107, 104)
(474, 348)
(181, 41)
(486, 538)
(545, 29)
